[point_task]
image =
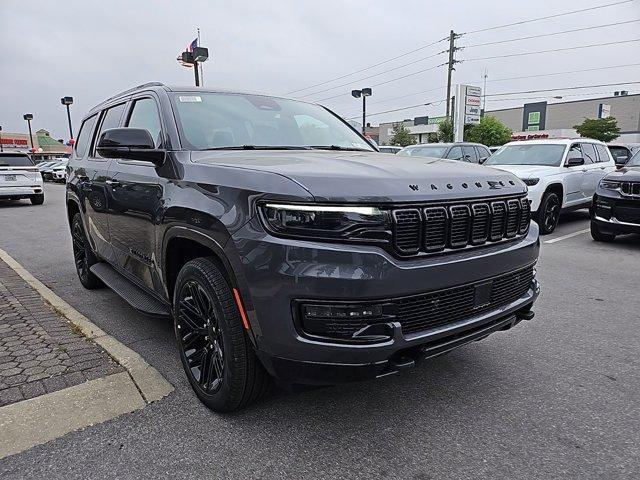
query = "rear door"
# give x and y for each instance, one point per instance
(454, 153)
(469, 154)
(593, 172)
(95, 185)
(137, 200)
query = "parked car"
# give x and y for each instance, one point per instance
(616, 204)
(389, 149)
(561, 174)
(59, 172)
(464, 151)
(43, 165)
(286, 251)
(47, 172)
(20, 178)
(622, 152)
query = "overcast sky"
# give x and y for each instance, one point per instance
(94, 49)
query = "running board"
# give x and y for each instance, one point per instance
(130, 292)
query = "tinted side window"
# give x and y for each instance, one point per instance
(84, 137)
(110, 119)
(470, 154)
(483, 152)
(575, 151)
(589, 153)
(617, 152)
(455, 153)
(145, 115)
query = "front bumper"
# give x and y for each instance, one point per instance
(616, 214)
(274, 273)
(20, 191)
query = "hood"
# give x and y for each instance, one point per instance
(526, 171)
(625, 174)
(369, 177)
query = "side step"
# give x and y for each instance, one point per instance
(130, 292)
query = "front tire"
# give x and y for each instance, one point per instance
(548, 213)
(37, 199)
(83, 256)
(216, 353)
(598, 236)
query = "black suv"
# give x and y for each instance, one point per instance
(283, 245)
(616, 203)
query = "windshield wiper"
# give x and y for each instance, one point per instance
(338, 147)
(259, 147)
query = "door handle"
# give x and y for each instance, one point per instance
(112, 183)
(584, 170)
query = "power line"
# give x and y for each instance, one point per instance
(552, 50)
(388, 81)
(563, 73)
(562, 88)
(497, 42)
(402, 108)
(547, 96)
(371, 76)
(369, 67)
(556, 15)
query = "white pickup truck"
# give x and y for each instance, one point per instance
(20, 178)
(561, 174)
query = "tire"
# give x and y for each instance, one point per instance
(83, 256)
(548, 213)
(598, 236)
(37, 199)
(215, 351)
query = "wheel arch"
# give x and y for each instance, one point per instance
(558, 189)
(73, 207)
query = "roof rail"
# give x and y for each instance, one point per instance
(137, 87)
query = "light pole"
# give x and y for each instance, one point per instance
(68, 101)
(28, 117)
(195, 58)
(1, 150)
(364, 93)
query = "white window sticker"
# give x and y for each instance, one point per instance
(189, 99)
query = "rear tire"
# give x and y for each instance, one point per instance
(598, 236)
(215, 351)
(37, 199)
(83, 256)
(548, 213)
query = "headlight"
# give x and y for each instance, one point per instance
(609, 185)
(530, 181)
(326, 221)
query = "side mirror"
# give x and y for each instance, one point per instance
(621, 160)
(130, 144)
(574, 162)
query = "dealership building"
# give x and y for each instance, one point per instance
(45, 147)
(544, 120)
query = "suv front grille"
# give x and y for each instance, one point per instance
(631, 189)
(434, 229)
(434, 309)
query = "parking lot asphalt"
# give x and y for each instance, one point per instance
(556, 397)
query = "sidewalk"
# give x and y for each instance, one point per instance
(59, 372)
(39, 351)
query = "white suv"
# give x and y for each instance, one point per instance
(20, 178)
(561, 174)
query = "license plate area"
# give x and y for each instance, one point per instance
(10, 178)
(482, 294)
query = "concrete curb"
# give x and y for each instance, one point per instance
(17, 427)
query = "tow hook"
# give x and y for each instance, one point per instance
(525, 315)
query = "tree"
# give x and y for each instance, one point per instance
(490, 131)
(603, 129)
(401, 136)
(445, 131)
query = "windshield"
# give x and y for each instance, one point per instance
(634, 161)
(435, 151)
(15, 160)
(222, 121)
(546, 155)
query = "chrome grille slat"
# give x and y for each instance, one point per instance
(437, 228)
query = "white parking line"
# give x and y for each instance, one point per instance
(569, 235)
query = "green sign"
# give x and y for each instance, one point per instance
(436, 120)
(534, 118)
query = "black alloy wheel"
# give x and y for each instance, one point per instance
(215, 349)
(549, 213)
(82, 255)
(199, 336)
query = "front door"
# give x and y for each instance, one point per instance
(573, 178)
(137, 198)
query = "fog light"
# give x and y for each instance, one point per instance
(342, 311)
(348, 323)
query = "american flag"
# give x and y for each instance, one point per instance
(190, 48)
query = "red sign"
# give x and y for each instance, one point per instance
(531, 136)
(14, 141)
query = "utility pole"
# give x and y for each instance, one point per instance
(450, 69)
(484, 92)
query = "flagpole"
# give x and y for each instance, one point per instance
(201, 69)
